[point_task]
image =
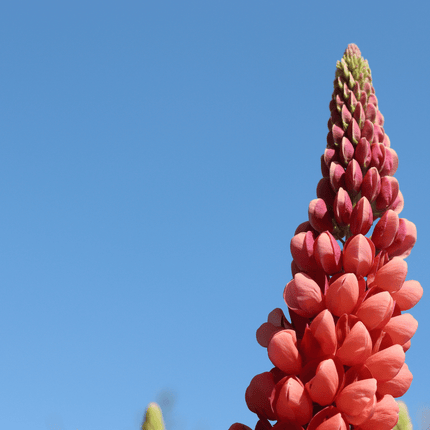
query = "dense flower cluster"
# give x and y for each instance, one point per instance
(341, 361)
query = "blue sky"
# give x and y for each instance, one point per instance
(156, 159)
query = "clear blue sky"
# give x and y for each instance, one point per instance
(156, 158)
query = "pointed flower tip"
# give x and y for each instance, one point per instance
(153, 418)
(352, 51)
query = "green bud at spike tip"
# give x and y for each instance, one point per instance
(153, 418)
(404, 422)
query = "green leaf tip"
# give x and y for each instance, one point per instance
(354, 64)
(153, 418)
(404, 422)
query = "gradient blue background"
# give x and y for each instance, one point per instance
(156, 158)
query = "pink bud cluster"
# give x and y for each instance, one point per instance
(340, 362)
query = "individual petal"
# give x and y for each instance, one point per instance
(398, 385)
(302, 250)
(392, 275)
(265, 332)
(358, 255)
(371, 186)
(401, 328)
(327, 253)
(304, 296)
(353, 177)
(385, 230)
(257, 395)
(323, 386)
(342, 207)
(283, 352)
(355, 396)
(367, 130)
(263, 424)
(361, 217)
(376, 310)
(342, 295)
(355, 344)
(323, 330)
(408, 296)
(329, 418)
(385, 416)
(388, 193)
(293, 402)
(364, 415)
(405, 239)
(319, 216)
(386, 364)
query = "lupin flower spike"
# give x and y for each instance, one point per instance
(153, 418)
(340, 362)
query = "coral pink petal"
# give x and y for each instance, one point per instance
(358, 255)
(391, 276)
(397, 386)
(342, 295)
(357, 346)
(265, 333)
(323, 386)
(376, 311)
(385, 416)
(401, 328)
(409, 295)
(257, 395)
(386, 364)
(328, 418)
(356, 396)
(323, 330)
(283, 353)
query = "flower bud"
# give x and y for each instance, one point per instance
(367, 130)
(322, 388)
(378, 153)
(353, 177)
(328, 253)
(346, 151)
(302, 250)
(337, 133)
(337, 176)
(325, 191)
(257, 395)
(371, 186)
(363, 153)
(293, 402)
(303, 296)
(391, 162)
(358, 254)
(342, 207)
(323, 331)
(319, 216)
(354, 341)
(398, 204)
(361, 217)
(405, 239)
(283, 353)
(378, 134)
(353, 131)
(342, 295)
(385, 230)
(388, 193)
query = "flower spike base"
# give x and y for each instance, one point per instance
(340, 360)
